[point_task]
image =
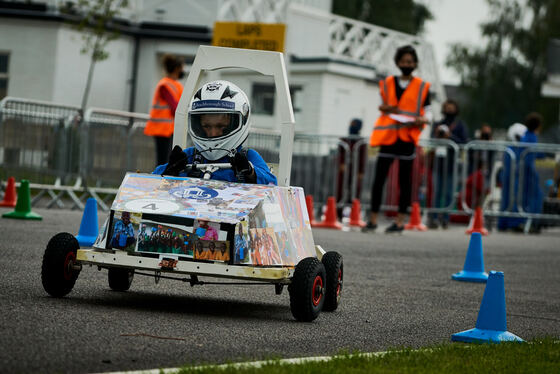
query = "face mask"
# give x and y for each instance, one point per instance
(406, 71)
(449, 117)
(181, 75)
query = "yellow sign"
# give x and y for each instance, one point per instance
(264, 36)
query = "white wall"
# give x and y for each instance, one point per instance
(184, 12)
(308, 120)
(110, 86)
(32, 46)
(345, 98)
(307, 34)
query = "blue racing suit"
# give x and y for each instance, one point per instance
(264, 176)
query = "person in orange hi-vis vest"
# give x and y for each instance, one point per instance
(162, 114)
(405, 110)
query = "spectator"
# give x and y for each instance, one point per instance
(441, 161)
(164, 103)
(219, 119)
(480, 163)
(531, 193)
(458, 131)
(351, 140)
(404, 113)
(514, 134)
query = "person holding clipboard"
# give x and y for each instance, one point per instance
(405, 110)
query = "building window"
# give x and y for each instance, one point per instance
(4, 59)
(262, 98)
(296, 94)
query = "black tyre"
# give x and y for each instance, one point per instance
(57, 271)
(120, 279)
(307, 290)
(334, 269)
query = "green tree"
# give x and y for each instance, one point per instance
(403, 15)
(502, 77)
(96, 18)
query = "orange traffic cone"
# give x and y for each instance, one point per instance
(477, 223)
(331, 219)
(310, 210)
(415, 219)
(10, 197)
(356, 214)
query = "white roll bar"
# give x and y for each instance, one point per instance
(264, 62)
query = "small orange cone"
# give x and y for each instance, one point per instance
(415, 219)
(477, 223)
(356, 214)
(10, 197)
(310, 210)
(331, 219)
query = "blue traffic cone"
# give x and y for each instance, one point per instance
(473, 270)
(89, 228)
(491, 324)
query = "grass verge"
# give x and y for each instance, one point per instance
(539, 356)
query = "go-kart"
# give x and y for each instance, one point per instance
(191, 228)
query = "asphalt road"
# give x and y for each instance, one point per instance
(397, 292)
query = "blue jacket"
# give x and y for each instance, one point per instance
(532, 194)
(264, 176)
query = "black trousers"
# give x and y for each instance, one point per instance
(405, 182)
(163, 149)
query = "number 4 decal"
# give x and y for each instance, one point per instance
(152, 206)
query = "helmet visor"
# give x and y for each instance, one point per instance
(214, 125)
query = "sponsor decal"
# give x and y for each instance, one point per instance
(193, 192)
(221, 104)
(168, 263)
(213, 86)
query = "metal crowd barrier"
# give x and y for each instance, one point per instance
(477, 174)
(37, 140)
(67, 159)
(114, 143)
(316, 161)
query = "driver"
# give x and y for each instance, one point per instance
(219, 122)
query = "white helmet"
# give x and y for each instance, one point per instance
(516, 131)
(229, 109)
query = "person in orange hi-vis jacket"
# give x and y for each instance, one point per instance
(405, 110)
(164, 103)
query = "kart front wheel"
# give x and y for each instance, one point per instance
(307, 290)
(335, 272)
(120, 279)
(58, 273)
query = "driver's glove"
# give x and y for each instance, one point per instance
(177, 162)
(244, 171)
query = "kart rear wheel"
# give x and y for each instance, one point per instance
(120, 279)
(335, 272)
(58, 273)
(307, 289)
